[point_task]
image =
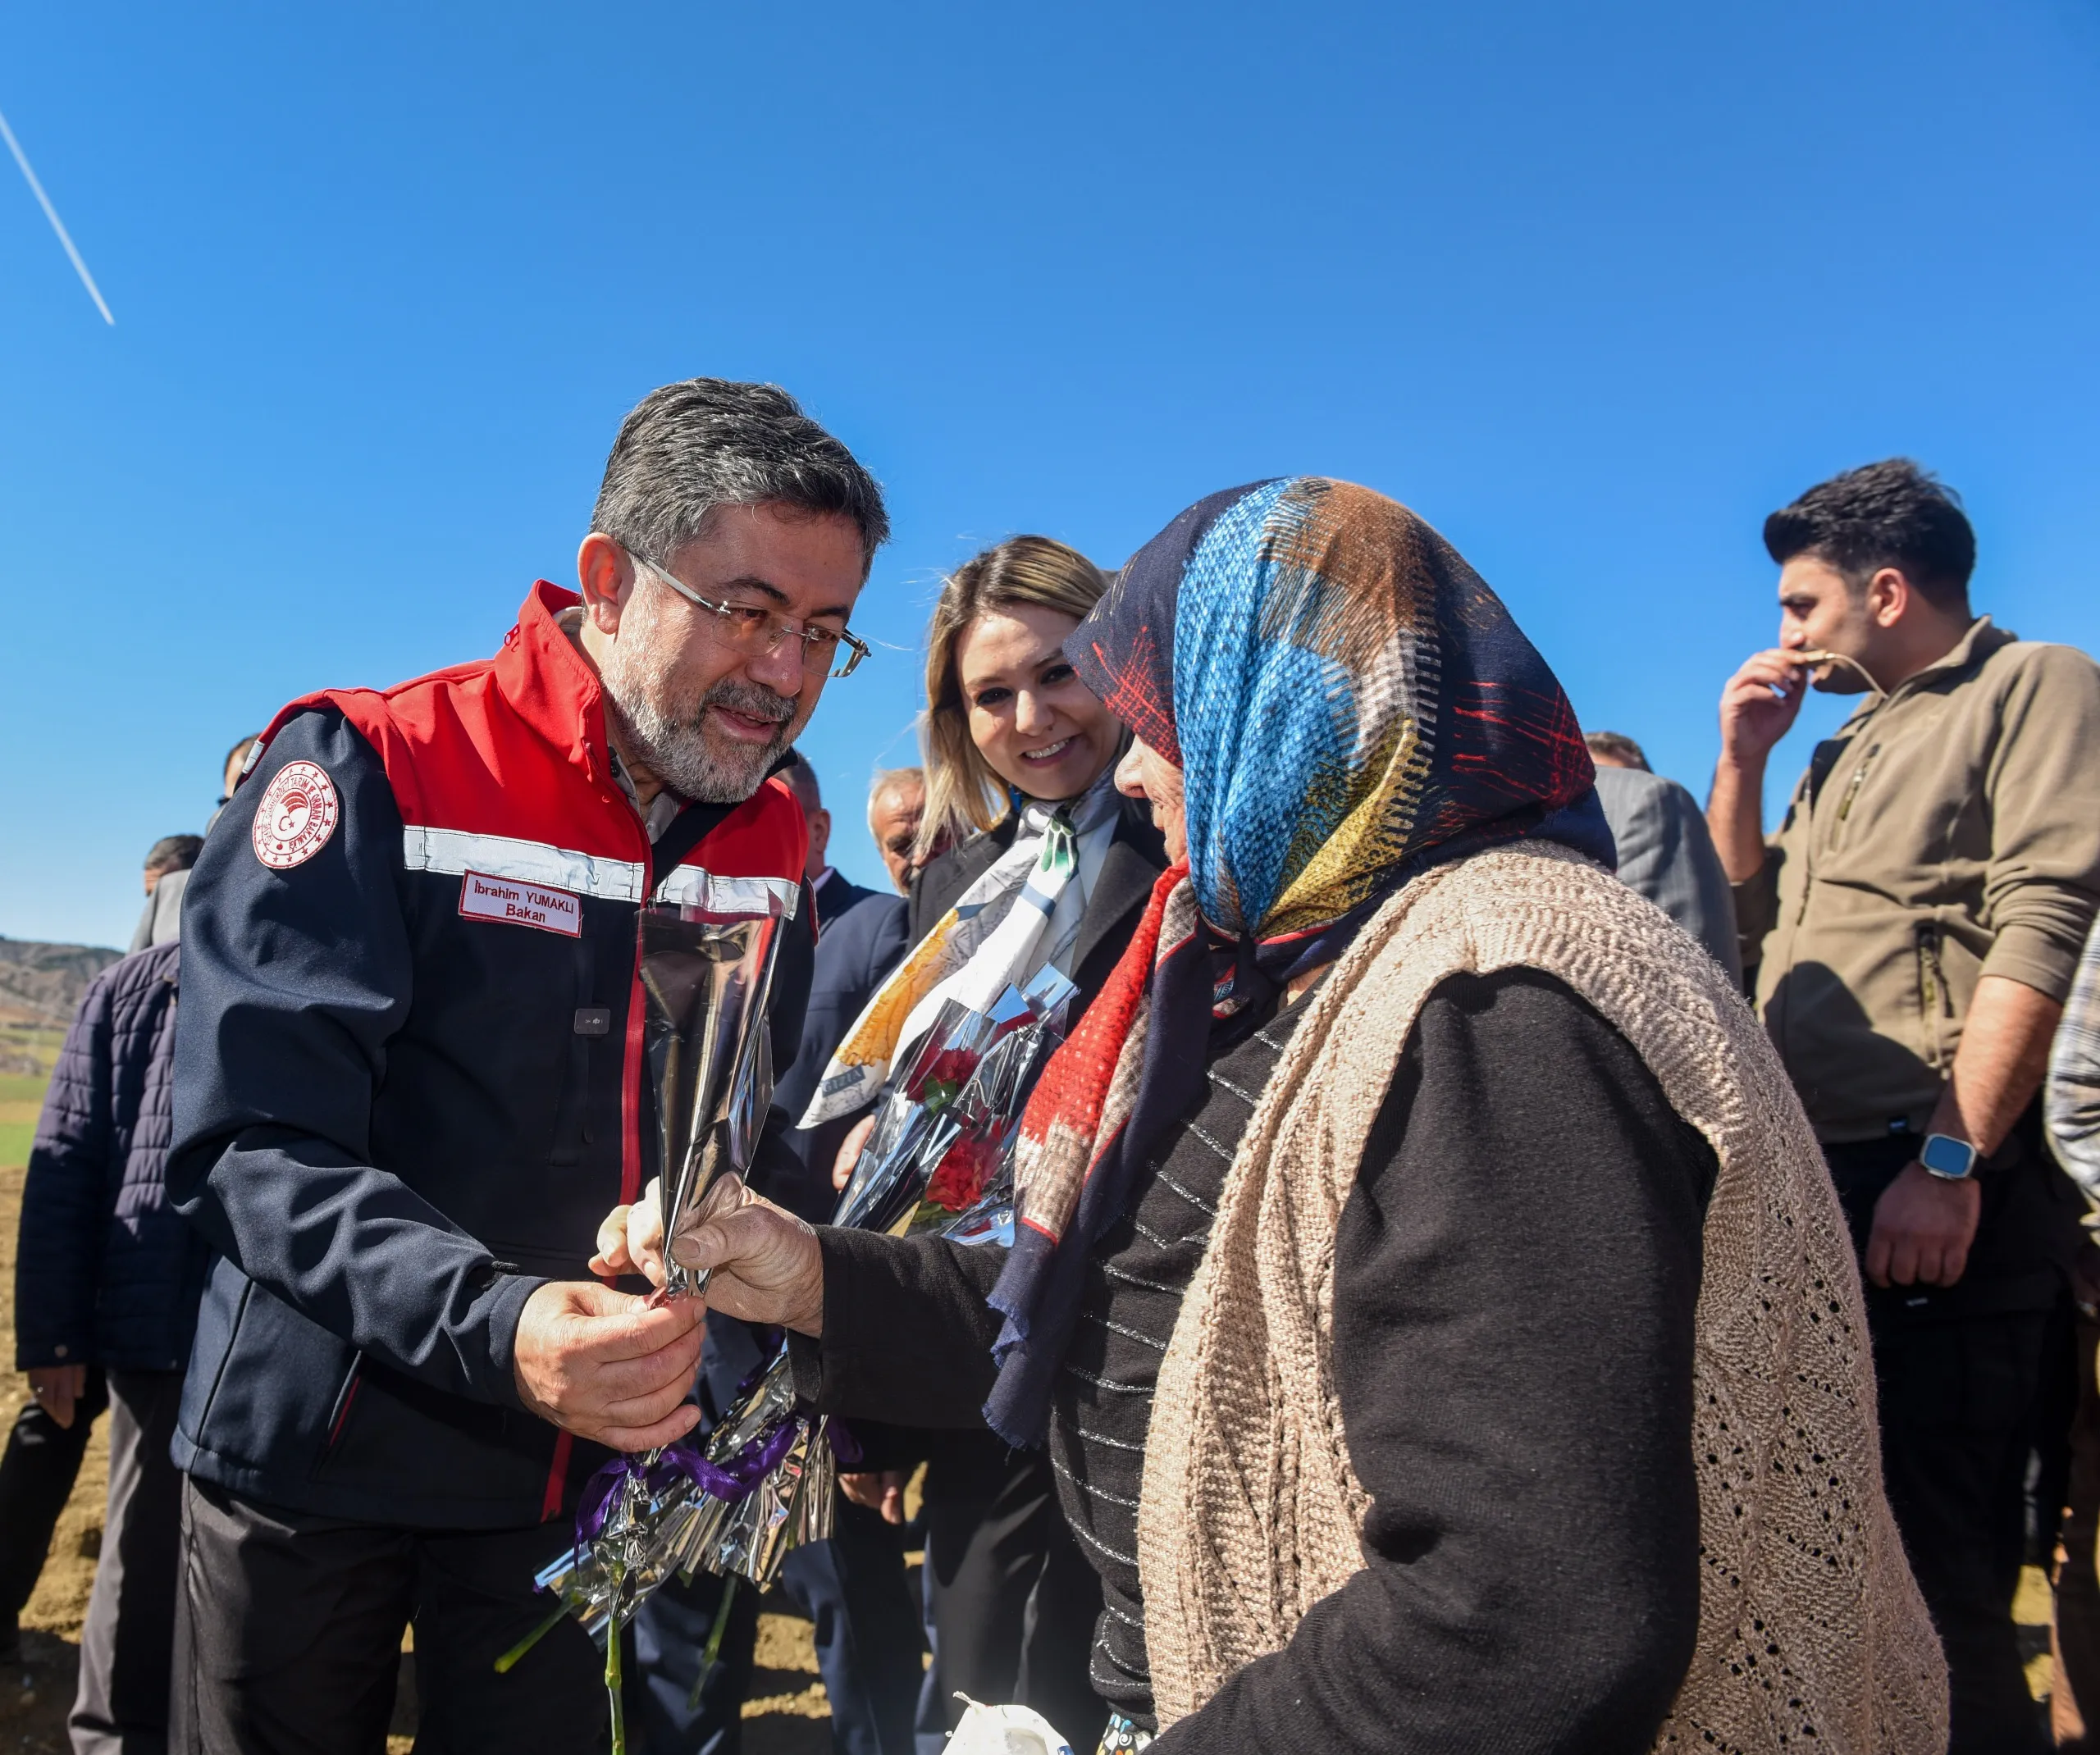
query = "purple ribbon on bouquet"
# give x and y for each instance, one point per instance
(727, 1482)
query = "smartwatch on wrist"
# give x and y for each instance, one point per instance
(1949, 1159)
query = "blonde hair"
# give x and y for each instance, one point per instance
(963, 795)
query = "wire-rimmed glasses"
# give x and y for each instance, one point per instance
(755, 628)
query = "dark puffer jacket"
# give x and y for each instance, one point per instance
(107, 1273)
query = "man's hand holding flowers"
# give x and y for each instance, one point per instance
(606, 1365)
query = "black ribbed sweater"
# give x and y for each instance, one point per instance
(1101, 1404)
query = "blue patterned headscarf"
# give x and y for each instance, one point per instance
(1348, 704)
(1345, 696)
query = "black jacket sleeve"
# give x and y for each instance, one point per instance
(907, 1335)
(67, 1198)
(293, 983)
(1516, 1273)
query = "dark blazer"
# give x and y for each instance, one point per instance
(1135, 858)
(108, 1273)
(861, 938)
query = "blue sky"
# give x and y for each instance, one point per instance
(1591, 288)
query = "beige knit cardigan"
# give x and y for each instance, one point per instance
(1812, 1631)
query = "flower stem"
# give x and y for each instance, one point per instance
(614, 1692)
(714, 1648)
(505, 1664)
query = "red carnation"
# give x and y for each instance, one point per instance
(960, 1178)
(948, 1074)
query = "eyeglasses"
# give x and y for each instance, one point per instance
(751, 628)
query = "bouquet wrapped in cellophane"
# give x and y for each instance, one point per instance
(940, 1159)
(940, 1154)
(709, 945)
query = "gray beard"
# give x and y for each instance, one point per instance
(674, 743)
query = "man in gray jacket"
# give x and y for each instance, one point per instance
(1664, 850)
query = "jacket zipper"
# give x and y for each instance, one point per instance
(572, 1116)
(1804, 800)
(1937, 996)
(1934, 1000)
(632, 1065)
(1852, 785)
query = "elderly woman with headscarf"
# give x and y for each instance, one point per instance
(1427, 1286)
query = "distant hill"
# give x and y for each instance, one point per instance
(47, 981)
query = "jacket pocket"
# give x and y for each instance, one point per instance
(217, 1332)
(339, 1412)
(1935, 999)
(279, 1384)
(418, 1450)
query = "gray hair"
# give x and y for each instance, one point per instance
(689, 447)
(894, 780)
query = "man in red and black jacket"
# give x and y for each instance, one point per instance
(409, 1082)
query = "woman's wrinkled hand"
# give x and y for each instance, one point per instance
(763, 1261)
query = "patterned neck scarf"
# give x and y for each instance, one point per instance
(1349, 704)
(1022, 915)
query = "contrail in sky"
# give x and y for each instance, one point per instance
(57, 225)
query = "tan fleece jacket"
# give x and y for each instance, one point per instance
(1947, 832)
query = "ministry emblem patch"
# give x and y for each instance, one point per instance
(296, 817)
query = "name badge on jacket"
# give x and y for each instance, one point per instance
(520, 903)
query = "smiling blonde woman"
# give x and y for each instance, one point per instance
(1000, 691)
